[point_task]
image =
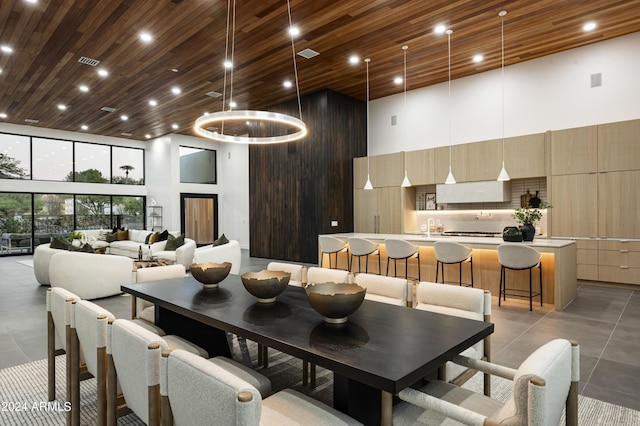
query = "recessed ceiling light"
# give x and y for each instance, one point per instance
(124, 117)
(148, 136)
(84, 127)
(397, 80)
(294, 31)
(31, 1)
(478, 58)
(174, 69)
(354, 59)
(440, 28)
(103, 73)
(3, 115)
(62, 107)
(287, 84)
(176, 90)
(152, 102)
(146, 37)
(0, 70)
(589, 26)
(83, 88)
(6, 49)
(227, 64)
(233, 104)
(174, 126)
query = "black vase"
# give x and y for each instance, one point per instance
(528, 232)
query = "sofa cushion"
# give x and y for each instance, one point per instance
(174, 242)
(122, 235)
(111, 237)
(60, 243)
(163, 235)
(221, 241)
(86, 248)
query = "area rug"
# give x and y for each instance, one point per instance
(28, 262)
(23, 394)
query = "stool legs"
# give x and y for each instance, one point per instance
(503, 285)
(440, 264)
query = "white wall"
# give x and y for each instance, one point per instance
(548, 93)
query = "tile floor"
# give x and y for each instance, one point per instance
(604, 320)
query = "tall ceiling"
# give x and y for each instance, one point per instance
(48, 38)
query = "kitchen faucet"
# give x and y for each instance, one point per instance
(430, 221)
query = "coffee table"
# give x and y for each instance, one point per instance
(139, 264)
(381, 350)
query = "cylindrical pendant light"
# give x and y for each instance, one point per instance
(450, 179)
(405, 182)
(368, 185)
(503, 176)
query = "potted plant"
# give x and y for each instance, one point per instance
(512, 234)
(527, 217)
(76, 238)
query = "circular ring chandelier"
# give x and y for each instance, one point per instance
(205, 121)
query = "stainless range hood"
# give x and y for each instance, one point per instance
(474, 192)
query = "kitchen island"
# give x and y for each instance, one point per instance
(559, 264)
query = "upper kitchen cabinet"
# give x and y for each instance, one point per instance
(482, 160)
(619, 146)
(618, 204)
(458, 163)
(359, 172)
(524, 156)
(574, 212)
(420, 167)
(574, 151)
(384, 170)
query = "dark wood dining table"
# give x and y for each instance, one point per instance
(381, 350)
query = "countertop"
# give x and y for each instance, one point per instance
(423, 238)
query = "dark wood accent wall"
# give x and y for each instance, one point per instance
(296, 189)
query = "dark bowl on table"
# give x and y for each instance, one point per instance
(265, 285)
(335, 301)
(210, 273)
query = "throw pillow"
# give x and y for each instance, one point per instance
(123, 235)
(102, 235)
(86, 248)
(163, 236)
(221, 241)
(60, 243)
(174, 242)
(154, 238)
(147, 238)
(111, 237)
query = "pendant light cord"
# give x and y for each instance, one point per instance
(367, 62)
(502, 78)
(295, 65)
(449, 55)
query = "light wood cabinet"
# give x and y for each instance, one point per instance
(618, 146)
(524, 156)
(574, 151)
(420, 167)
(619, 204)
(384, 170)
(380, 210)
(587, 255)
(619, 261)
(359, 172)
(481, 160)
(575, 209)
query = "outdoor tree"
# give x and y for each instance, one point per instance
(10, 168)
(127, 168)
(89, 175)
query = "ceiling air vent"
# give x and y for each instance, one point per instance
(31, 120)
(308, 53)
(213, 94)
(126, 134)
(107, 109)
(212, 129)
(89, 61)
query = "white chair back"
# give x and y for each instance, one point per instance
(451, 252)
(322, 275)
(144, 309)
(330, 244)
(200, 391)
(399, 249)
(90, 322)
(59, 305)
(292, 268)
(361, 246)
(384, 289)
(518, 256)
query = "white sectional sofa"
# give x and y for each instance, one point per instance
(229, 252)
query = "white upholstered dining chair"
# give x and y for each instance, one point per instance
(385, 289)
(143, 309)
(465, 302)
(195, 391)
(296, 271)
(544, 385)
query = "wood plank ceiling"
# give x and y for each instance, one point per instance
(188, 48)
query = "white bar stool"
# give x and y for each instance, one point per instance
(401, 250)
(518, 257)
(360, 247)
(332, 245)
(450, 253)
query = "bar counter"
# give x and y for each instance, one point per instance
(559, 264)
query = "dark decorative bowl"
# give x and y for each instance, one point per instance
(210, 274)
(265, 285)
(335, 301)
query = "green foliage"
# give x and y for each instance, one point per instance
(75, 235)
(89, 175)
(10, 168)
(512, 231)
(529, 215)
